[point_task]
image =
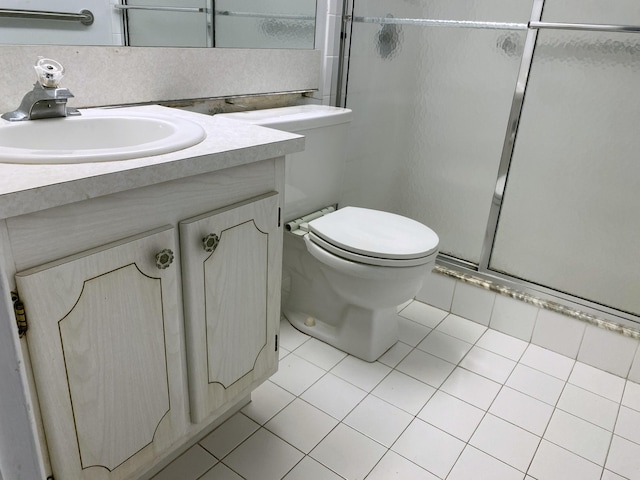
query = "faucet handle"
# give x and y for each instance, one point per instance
(49, 72)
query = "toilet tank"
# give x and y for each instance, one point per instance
(313, 177)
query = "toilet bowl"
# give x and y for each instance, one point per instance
(345, 271)
(347, 277)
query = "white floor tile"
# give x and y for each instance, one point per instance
(607, 350)
(290, 338)
(513, 317)
(444, 346)
(429, 447)
(607, 475)
(395, 354)
(394, 467)
(309, 469)
(558, 332)
(578, 436)
(502, 344)
(302, 425)
(267, 400)
(488, 364)
(346, 429)
(536, 384)
(333, 395)
(589, 406)
(263, 456)
(552, 462)
(631, 397)
(188, 466)
(452, 415)
(229, 435)
(410, 332)
(362, 374)
(404, 392)
(437, 290)
(473, 303)
(597, 381)
(628, 424)
(547, 361)
(461, 328)
(476, 465)
(522, 410)
(505, 441)
(423, 314)
(404, 305)
(471, 387)
(220, 472)
(389, 421)
(426, 368)
(348, 453)
(319, 353)
(624, 458)
(295, 374)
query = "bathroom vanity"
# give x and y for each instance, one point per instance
(150, 294)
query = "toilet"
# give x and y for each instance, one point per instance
(345, 270)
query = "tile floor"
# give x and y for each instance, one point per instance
(452, 400)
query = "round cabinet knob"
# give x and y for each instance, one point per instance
(164, 259)
(210, 242)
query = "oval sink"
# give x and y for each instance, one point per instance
(95, 137)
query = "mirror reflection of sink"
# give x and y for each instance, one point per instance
(95, 137)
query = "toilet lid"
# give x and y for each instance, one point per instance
(375, 234)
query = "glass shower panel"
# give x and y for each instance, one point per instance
(431, 106)
(569, 219)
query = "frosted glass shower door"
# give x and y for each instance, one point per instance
(431, 105)
(571, 208)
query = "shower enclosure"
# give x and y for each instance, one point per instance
(509, 127)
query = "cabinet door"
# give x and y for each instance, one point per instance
(231, 268)
(104, 340)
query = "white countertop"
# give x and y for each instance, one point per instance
(30, 188)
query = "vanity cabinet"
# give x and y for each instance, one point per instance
(230, 260)
(105, 348)
(139, 343)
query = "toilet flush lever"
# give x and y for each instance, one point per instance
(210, 242)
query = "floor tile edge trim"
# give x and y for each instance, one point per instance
(538, 302)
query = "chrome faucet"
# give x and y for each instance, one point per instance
(47, 99)
(42, 102)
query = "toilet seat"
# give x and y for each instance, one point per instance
(375, 238)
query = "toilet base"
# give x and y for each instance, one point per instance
(363, 333)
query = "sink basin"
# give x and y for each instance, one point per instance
(95, 137)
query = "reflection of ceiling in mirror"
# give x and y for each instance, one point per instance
(181, 23)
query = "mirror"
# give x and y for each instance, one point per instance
(168, 23)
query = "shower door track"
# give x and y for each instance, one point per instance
(515, 287)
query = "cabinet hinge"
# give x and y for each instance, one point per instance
(21, 316)
(276, 343)
(279, 214)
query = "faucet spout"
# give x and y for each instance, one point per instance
(42, 102)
